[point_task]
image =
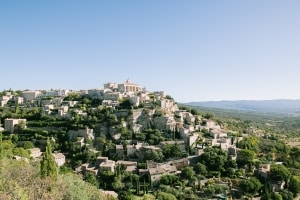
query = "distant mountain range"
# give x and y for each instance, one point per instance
(274, 106)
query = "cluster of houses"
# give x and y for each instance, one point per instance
(52, 101)
(171, 120)
(36, 154)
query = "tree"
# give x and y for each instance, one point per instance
(148, 197)
(295, 154)
(155, 155)
(118, 184)
(28, 145)
(20, 151)
(91, 178)
(1, 148)
(169, 179)
(294, 185)
(245, 157)
(172, 151)
(279, 173)
(276, 196)
(194, 112)
(48, 165)
(208, 116)
(1, 152)
(250, 143)
(200, 169)
(187, 172)
(266, 192)
(286, 195)
(251, 186)
(165, 196)
(214, 159)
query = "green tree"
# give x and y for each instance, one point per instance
(20, 151)
(286, 195)
(169, 179)
(251, 186)
(214, 159)
(279, 173)
(208, 116)
(245, 157)
(28, 145)
(187, 172)
(155, 155)
(194, 111)
(295, 154)
(48, 165)
(276, 196)
(200, 169)
(91, 178)
(1, 148)
(294, 185)
(1, 152)
(165, 196)
(250, 143)
(172, 151)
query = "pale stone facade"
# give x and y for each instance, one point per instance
(18, 100)
(108, 165)
(31, 95)
(59, 158)
(9, 124)
(114, 96)
(85, 133)
(96, 92)
(35, 152)
(128, 86)
(56, 93)
(156, 170)
(111, 86)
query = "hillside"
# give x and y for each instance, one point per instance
(276, 106)
(132, 143)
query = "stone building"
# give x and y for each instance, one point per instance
(128, 86)
(10, 124)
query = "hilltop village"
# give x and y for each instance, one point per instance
(129, 142)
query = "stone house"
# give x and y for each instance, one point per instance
(35, 153)
(181, 163)
(156, 170)
(114, 96)
(104, 164)
(10, 124)
(30, 95)
(60, 159)
(217, 133)
(119, 151)
(85, 133)
(108, 165)
(130, 165)
(88, 168)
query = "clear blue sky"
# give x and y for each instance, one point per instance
(194, 50)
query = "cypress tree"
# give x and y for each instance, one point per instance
(48, 166)
(1, 152)
(137, 186)
(1, 145)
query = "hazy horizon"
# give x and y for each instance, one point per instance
(192, 50)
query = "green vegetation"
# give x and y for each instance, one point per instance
(48, 165)
(21, 180)
(214, 171)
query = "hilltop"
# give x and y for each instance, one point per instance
(132, 143)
